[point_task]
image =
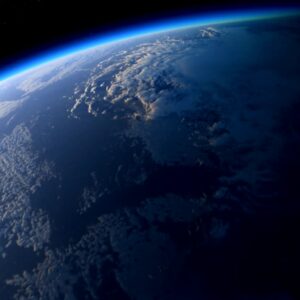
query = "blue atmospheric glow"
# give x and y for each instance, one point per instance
(146, 29)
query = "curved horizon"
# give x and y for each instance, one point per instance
(139, 30)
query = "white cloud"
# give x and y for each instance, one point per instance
(147, 252)
(7, 107)
(146, 78)
(21, 174)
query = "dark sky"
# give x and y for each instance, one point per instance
(30, 26)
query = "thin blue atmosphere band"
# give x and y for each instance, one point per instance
(142, 30)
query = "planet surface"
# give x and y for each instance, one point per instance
(164, 166)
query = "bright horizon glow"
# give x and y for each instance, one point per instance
(140, 30)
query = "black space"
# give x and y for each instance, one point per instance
(28, 27)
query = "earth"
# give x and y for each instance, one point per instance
(159, 167)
